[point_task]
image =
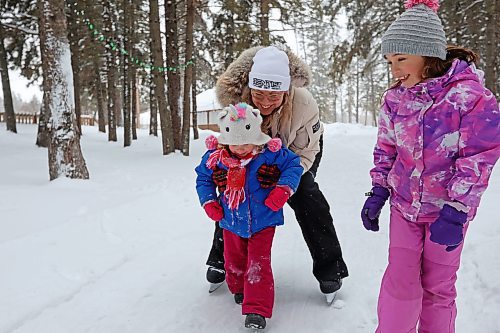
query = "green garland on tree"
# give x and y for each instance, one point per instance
(114, 46)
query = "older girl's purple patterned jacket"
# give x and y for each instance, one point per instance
(437, 142)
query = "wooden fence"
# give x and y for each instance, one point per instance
(207, 120)
(87, 120)
(22, 118)
(29, 118)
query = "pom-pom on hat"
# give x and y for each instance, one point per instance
(417, 31)
(270, 70)
(240, 124)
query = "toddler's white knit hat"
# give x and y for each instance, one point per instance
(417, 31)
(270, 70)
(240, 125)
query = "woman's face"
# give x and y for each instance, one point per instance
(267, 101)
(407, 68)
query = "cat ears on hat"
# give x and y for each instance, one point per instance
(238, 111)
(240, 125)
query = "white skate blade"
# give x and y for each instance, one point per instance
(330, 297)
(214, 287)
(254, 328)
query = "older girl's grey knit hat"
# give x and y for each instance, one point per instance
(417, 31)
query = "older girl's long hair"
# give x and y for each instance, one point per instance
(435, 67)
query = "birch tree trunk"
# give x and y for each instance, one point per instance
(65, 156)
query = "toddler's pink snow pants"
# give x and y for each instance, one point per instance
(248, 270)
(418, 287)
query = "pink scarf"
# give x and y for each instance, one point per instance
(236, 175)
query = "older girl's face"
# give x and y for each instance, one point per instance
(407, 68)
(267, 101)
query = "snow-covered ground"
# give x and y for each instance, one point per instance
(125, 251)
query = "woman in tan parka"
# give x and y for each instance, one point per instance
(274, 82)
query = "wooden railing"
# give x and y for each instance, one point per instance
(87, 120)
(22, 118)
(204, 119)
(29, 118)
(207, 120)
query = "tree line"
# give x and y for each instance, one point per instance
(161, 53)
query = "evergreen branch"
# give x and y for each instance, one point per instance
(23, 29)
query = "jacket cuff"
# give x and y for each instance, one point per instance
(286, 188)
(459, 206)
(207, 202)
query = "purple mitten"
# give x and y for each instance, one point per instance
(373, 206)
(448, 228)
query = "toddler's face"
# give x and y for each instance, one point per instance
(407, 68)
(241, 150)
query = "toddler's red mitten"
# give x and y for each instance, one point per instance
(278, 197)
(214, 210)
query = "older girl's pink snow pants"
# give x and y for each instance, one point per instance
(418, 287)
(248, 270)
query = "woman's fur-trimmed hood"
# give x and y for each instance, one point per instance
(232, 85)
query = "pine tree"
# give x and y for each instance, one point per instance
(10, 117)
(159, 78)
(173, 60)
(126, 75)
(112, 71)
(18, 27)
(318, 27)
(74, 32)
